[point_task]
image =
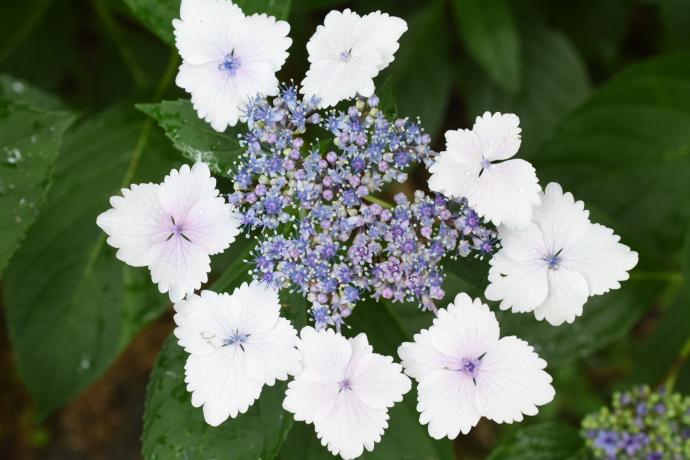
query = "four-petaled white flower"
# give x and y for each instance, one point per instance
(553, 265)
(237, 344)
(227, 57)
(345, 390)
(466, 372)
(347, 52)
(476, 165)
(172, 228)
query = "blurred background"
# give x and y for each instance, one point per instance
(602, 88)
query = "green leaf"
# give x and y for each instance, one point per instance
(421, 75)
(71, 306)
(17, 21)
(554, 79)
(626, 151)
(30, 140)
(488, 30)
(547, 441)
(20, 91)
(157, 15)
(194, 137)
(174, 429)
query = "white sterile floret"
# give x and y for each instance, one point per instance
(466, 372)
(345, 390)
(555, 264)
(237, 343)
(347, 52)
(172, 228)
(476, 165)
(227, 57)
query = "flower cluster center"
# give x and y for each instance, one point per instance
(230, 64)
(470, 367)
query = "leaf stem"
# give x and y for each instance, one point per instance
(379, 201)
(670, 380)
(126, 54)
(34, 18)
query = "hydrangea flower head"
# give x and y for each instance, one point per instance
(466, 372)
(641, 425)
(552, 266)
(345, 390)
(477, 165)
(321, 234)
(227, 57)
(237, 343)
(172, 228)
(347, 52)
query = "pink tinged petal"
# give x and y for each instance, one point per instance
(272, 354)
(499, 135)
(455, 172)
(446, 402)
(568, 292)
(560, 218)
(466, 329)
(600, 258)
(220, 382)
(377, 380)
(201, 33)
(179, 267)
(511, 381)
(135, 223)
(506, 193)
(311, 396)
(351, 427)
(421, 357)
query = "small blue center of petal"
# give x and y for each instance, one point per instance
(470, 367)
(553, 261)
(345, 55)
(236, 337)
(344, 385)
(230, 64)
(485, 163)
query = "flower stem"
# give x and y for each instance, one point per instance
(670, 379)
(379, 201)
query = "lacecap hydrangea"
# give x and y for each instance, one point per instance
(313, 187)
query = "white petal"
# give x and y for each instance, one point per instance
(446, 403)
(191, 197)
(219, 381)
(272, 354)
(568, 292)
(179, 267)
(311, 396)
(421, 357)
(600, 258)
(511, 381)
(499, 135)
(202, 34)
(252, 308)
(517, 276)
(326, 351)
(466, 329)
(347, 52)
(201, 323)
(375, 379)
(135, 223)
(264, 39)
(382, 32)
(560, 217)
(506, 193)
(455, 173)
(351, 427)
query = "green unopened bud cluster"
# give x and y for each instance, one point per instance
(641, 424)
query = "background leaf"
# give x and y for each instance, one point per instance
(30, 139)
(547, 441)
(70, 319)
(194, 137)
(488, 29)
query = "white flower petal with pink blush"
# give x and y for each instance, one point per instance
(237, 343)
(345, 390)
(476, 165)
(466, 372)
(227, 57)
(347, 52)
(172, 228)
(552, 266)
